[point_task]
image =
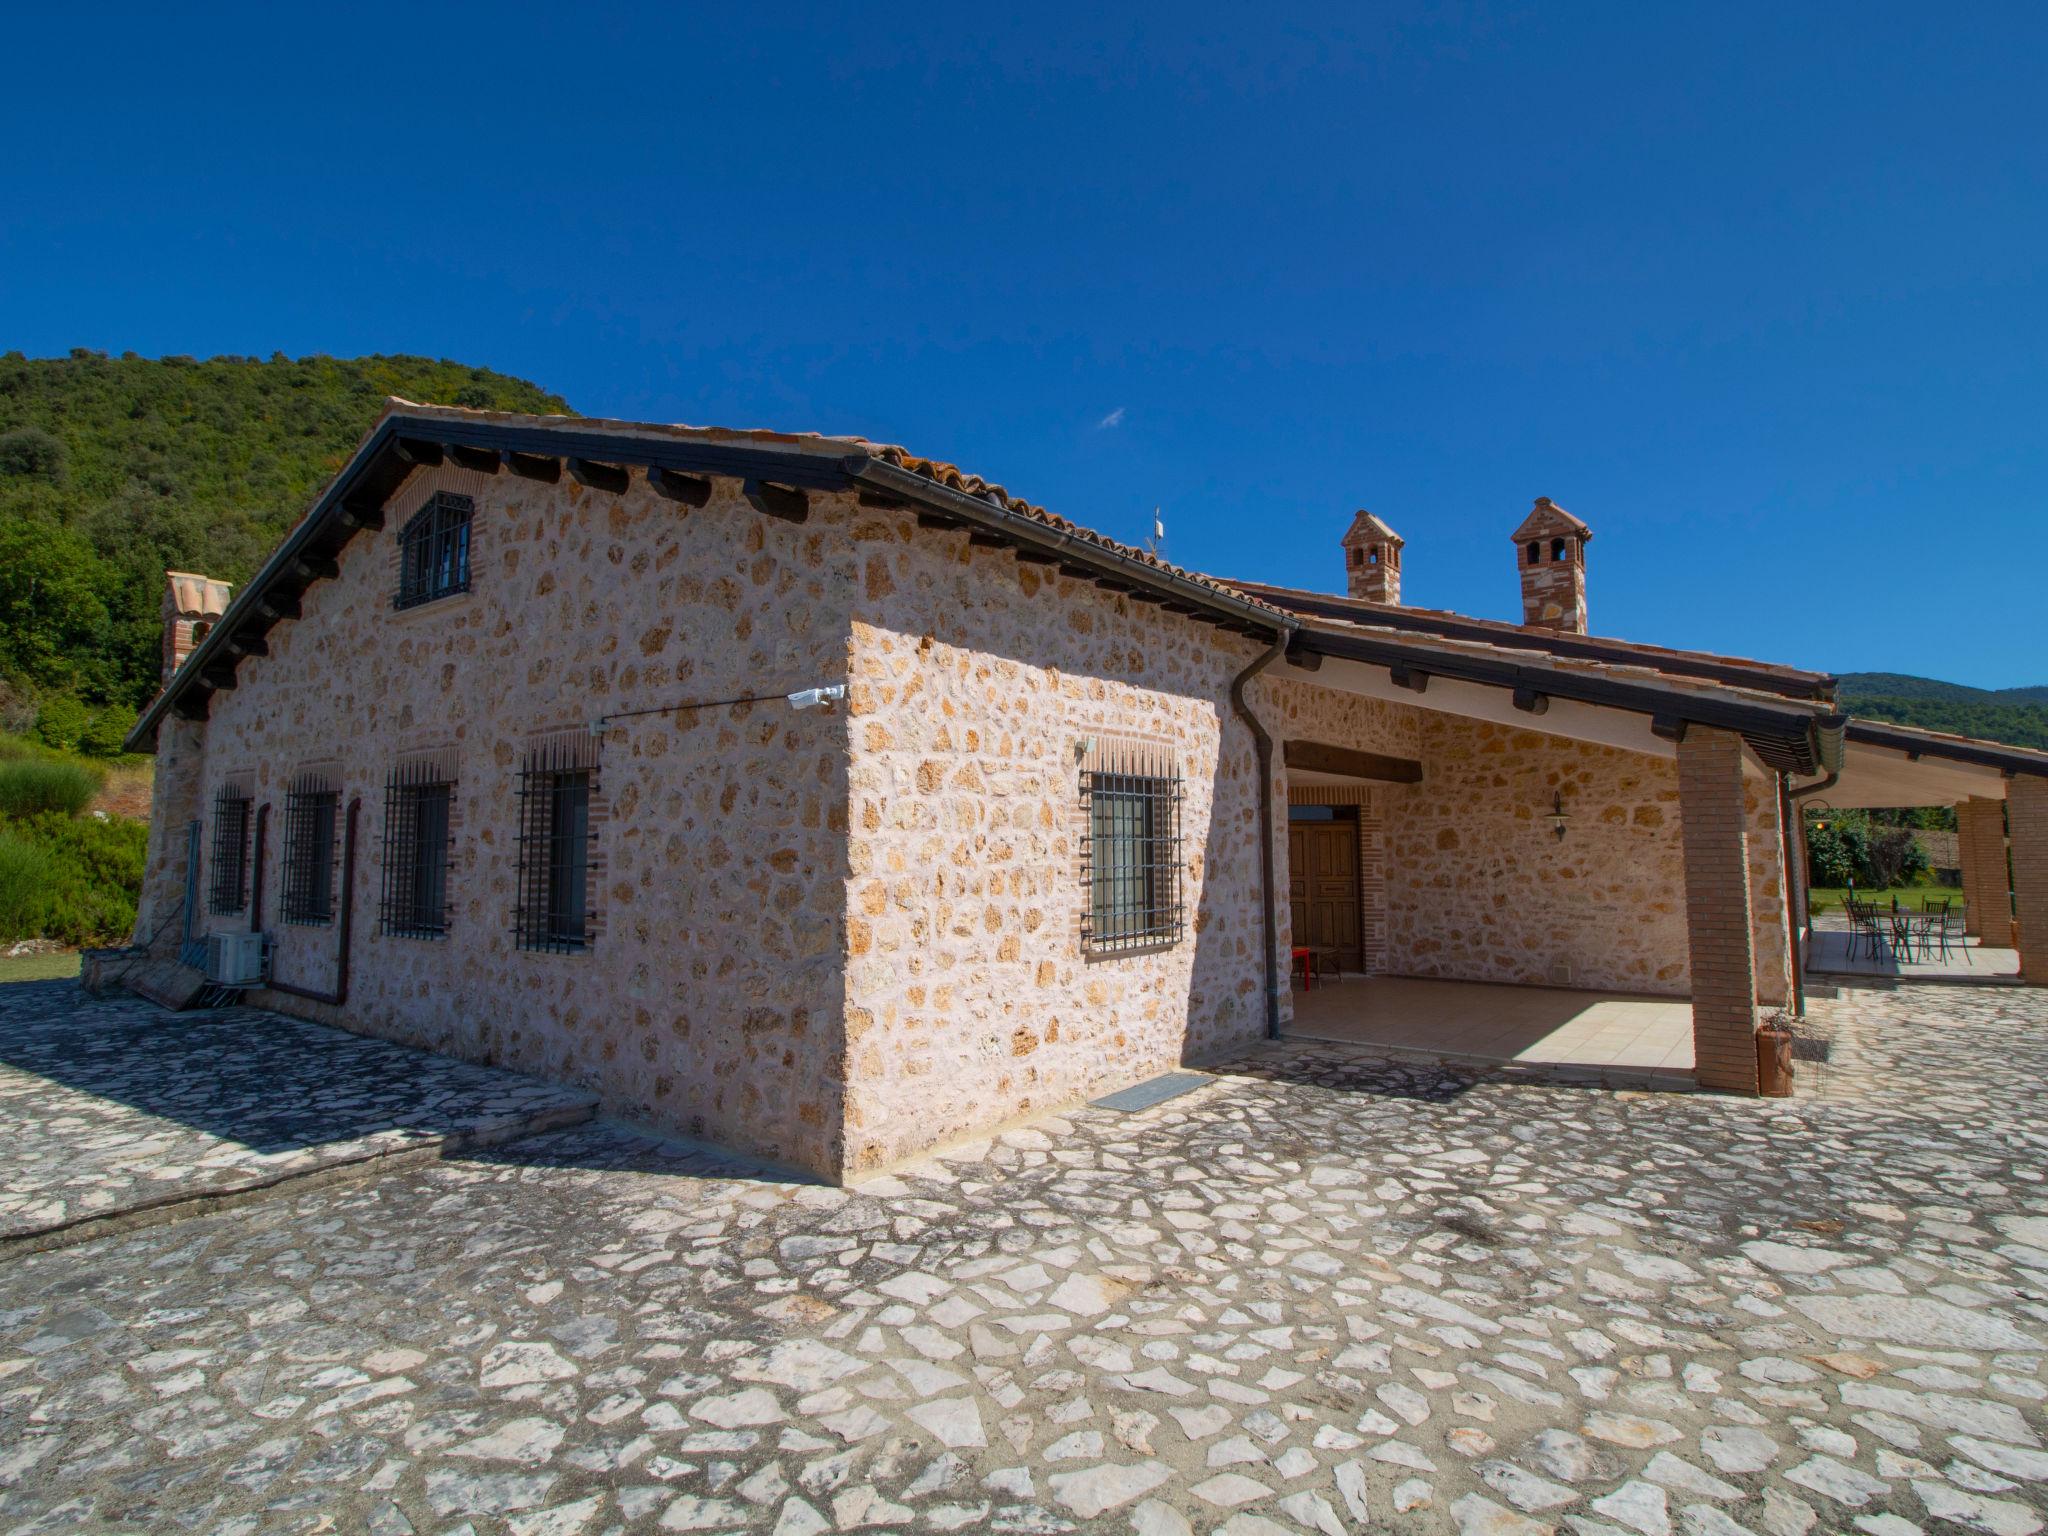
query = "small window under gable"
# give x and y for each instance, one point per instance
(433, 551)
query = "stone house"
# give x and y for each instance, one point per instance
(828, 803)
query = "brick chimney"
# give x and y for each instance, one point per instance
(191, 606)
(1372, 560)
(1550, 551)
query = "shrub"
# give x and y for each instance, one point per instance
(71, 879)
(31, 786)
(108, 730)
(28, 875)
(32, 454)
(62, 722)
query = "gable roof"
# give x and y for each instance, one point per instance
(1548, 517)
(1785, 720)
(1366, 527)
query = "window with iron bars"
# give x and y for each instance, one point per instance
(433, 551)
(555, 835)
(309, 823)
(418, 798)
(1131, 857)
(230, 884)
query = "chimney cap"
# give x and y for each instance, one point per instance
(1547, 517)
(1369, 529)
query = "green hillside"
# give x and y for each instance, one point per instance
(114, 468)
(2016, 716)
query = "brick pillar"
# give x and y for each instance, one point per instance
(2026, 806)
(1717, 911)
(1372, 882)
(1980, 840)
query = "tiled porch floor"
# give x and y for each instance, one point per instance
(1548, 1026)
(1828, 955)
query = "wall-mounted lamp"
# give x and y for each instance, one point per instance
(1559, 817)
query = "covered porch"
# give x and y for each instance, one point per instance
(1618, 1038)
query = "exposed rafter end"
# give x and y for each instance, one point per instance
(937, 520)
(533, 466)
(882, 501)
(1078, 572)
(247, 645)
(1306, 661)
(193, 704)
(690, 490)
(783, 501)
(417, 450)
(483, 460)
(220, 679)
(982, 539)
(356, 514)
(613, 478)
(1414, 679)
(316, 568)
(1030, 556)
(1530, 702)
(1667, 727)
(279, 605)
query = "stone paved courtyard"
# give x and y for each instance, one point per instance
(112, 1107)
(1323, 1294)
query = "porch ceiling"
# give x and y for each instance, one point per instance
(1888, 765)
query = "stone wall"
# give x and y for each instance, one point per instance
(710, 1001)
(977, 683)
(1479, 886)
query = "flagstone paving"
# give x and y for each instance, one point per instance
(113, 1106)
(1325, 1294)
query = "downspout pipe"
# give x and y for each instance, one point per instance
(1263, 744)
(1795, 839)
(343, 923)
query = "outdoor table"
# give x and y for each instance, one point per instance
(1911, 931)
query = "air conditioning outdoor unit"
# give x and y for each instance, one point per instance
(234, 959)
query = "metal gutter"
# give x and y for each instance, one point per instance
(1081, 550)
(1981, 754)
(1796, 735)
(1819, 687)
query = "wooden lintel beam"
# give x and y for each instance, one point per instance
(613, 478)
(1321, 757)
(533, 466)
(484, 461)
(417, 450)
(317, 567)
(783, 501)
(690, 490)
(1414, 679)
(279, 605)
(1530, 702)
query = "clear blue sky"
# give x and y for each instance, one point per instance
(1758, 291)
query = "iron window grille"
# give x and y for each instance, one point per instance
(1131, 853)
(309, 828)
(433, 550)
(230, 884)
(555, 837)
(418, 800)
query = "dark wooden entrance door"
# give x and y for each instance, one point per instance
(1322, 864)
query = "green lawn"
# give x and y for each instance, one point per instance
(1910, 897)
(61, 966)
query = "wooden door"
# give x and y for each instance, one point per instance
(1322, 888)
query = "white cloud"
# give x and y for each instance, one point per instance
(1114, 419)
